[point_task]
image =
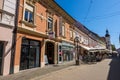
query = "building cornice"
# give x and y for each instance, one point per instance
(6, 25)
(30, 32)
(37, 34)
(51, 4)
(3, 11)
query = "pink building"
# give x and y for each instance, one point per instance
(7, 15)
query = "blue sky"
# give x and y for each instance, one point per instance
(96, 15)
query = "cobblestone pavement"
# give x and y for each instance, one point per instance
(108, 69)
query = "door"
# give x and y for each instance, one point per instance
(1, 55)
(30, 54)
(24, 58)
(50, 52)
(32, 57)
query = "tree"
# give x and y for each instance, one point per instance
(113, 47)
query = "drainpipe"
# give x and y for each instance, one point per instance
(14, 38)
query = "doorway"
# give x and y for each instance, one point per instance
(1, 55)
(30, 54)
(49, 52)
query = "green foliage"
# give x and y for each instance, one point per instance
(113, 47)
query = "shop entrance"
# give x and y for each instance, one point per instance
(30, 54)
(49, 52)
(1, 55)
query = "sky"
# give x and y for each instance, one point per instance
(96, 15)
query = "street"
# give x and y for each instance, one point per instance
(108, 69)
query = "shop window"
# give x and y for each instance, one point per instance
(30, 54)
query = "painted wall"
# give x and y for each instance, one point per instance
(6, 35)
(6, 28)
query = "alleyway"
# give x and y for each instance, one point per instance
(108, 69)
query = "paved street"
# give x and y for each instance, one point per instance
(35, 72)
(108, 69)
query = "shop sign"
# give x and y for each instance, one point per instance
(60, 52)
(51, 34)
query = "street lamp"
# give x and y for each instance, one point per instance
(76, 43)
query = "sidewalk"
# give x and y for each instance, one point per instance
(35, 72)
(100, 71)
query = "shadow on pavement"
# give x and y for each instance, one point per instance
(114, 72)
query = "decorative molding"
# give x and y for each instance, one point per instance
(3, 11)
(28, 24)
(41, 16)
(6, 25)
(32, 2)
(30, 32)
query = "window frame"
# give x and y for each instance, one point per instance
(29, 12)
(71, 34)
(50, 23)
(63, 29)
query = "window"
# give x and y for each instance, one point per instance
(50, 23)
(63, 30)
(29, 14)
(74, 35)
(80, 38)
(71, 34)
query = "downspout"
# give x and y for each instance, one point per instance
(14, 38)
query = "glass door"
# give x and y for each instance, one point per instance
(32, 57)
(24, 58)
(30, 54)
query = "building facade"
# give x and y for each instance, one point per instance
(7, 19)
(46, 33)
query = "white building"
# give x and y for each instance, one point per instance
(108, 42)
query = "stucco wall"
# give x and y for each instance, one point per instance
(6, 35)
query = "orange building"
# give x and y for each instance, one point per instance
(45, 35)
(40, 33)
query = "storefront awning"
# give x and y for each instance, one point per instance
(85, 47)
(98, 49)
